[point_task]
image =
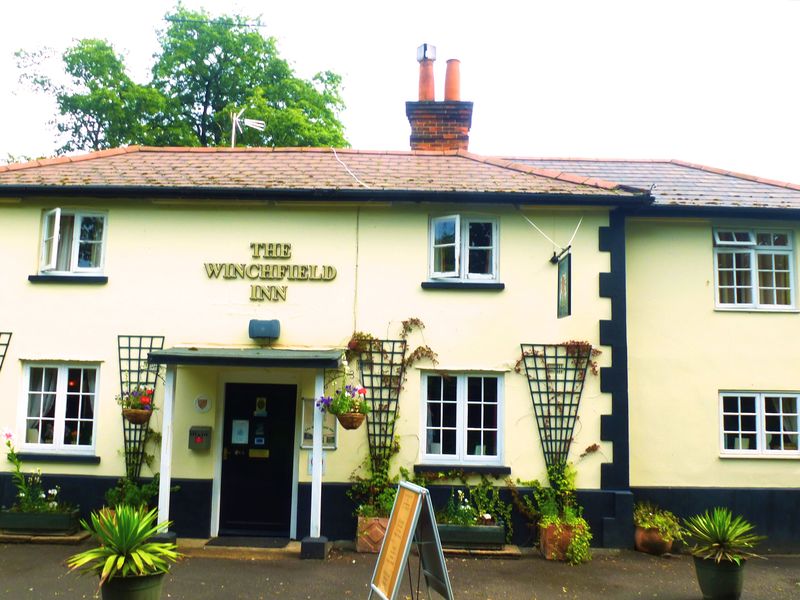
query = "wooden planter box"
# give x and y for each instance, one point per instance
(39, 523)
(473, 537)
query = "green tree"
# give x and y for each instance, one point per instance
(205, 70)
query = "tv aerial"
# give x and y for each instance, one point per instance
(237, 122)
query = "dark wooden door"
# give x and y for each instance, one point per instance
(257, 459)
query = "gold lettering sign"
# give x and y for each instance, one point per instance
(269, 272)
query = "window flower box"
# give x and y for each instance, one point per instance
(472, 537)
(39, 523)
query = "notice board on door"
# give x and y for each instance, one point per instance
(412, 520)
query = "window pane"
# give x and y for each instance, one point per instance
(444, 232)
(444, 259)
(730, 404)
(748, 404)
(749, 423)
(741, 260)
(91, 229)
(434, 388)
(73, 404)
(64, 260)
(490, 416)
(730, 423)
(34, 405)
(725, 260)
(74, 381)
(89, 255)
(449, 386)
(449, 441)
(474, 445)
(474, 389)
(480, 235)
(490, 443)
(449, 414)
(480, 262)
(474, 415)
(490, 389)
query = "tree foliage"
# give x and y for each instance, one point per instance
(205, 70)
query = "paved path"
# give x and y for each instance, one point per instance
(37, 571)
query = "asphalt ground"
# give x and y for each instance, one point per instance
(31, 571)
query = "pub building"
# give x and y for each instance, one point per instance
(231, 281)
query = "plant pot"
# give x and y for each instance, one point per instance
(144, 587)
(351, 420)
(719, 580)
(472, 537)
(137, 416)
(651, 541)
(370, 534)
(554, 541)
(39, 523)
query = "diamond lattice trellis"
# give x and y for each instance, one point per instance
(5, 340)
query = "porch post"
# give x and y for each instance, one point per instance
(165, 481)
(315, 545)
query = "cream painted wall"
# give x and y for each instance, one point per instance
(157, 285)
(683, 352)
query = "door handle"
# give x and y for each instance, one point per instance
(224, 454)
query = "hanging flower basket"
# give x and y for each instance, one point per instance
(351, 420)
(137, 416)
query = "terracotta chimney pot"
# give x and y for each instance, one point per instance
(452, 80)
(426, 54)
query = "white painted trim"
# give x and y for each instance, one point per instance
(165, 482)
(316, 470)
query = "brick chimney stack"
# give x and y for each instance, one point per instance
(438, 125)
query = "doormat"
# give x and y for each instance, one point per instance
(249, 542)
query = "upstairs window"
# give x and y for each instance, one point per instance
(463, 248)
(60, 408)
(72, 242)
(754, 268)
(760, 423)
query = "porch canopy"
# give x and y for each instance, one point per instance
(248, 357)
(245, 357)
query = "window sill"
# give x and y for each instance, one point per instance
(753, 309)
(481, 469)
(463, 285)
(86, 279)
(88, 459)
(790, 455)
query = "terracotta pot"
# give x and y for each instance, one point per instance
(651, 541)
(370, 534)
(137, 416)
(554, 541)
(351, 420)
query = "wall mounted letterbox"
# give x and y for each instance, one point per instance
(199, 437)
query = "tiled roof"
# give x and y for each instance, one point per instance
(676, 183)
(298, 169)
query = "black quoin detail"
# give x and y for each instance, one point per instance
(614, 379)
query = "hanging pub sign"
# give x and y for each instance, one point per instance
(271, 273)
(565, 286)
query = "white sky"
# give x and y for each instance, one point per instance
(712, 82)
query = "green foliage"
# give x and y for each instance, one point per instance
(31, 493)
(578, 550)
(374, 493)
(123, 548)
(720, 536)
(650, 516)
(480, 504)
(205, 69)
(131, 492)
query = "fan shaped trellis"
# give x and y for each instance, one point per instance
(382, 366)
(5, 340)
(556, 373)
(134, 372)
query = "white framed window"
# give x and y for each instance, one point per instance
(462, 417)
(60, 408)
(763, 423)
(72, 242)
(754, 268)
(463, 248)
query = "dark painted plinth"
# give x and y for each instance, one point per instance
(169, 537)
(315, 547)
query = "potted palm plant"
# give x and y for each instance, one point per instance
(722, 542)
(656, 528)
(130, 566)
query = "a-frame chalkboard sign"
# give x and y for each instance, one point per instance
(411, 521)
